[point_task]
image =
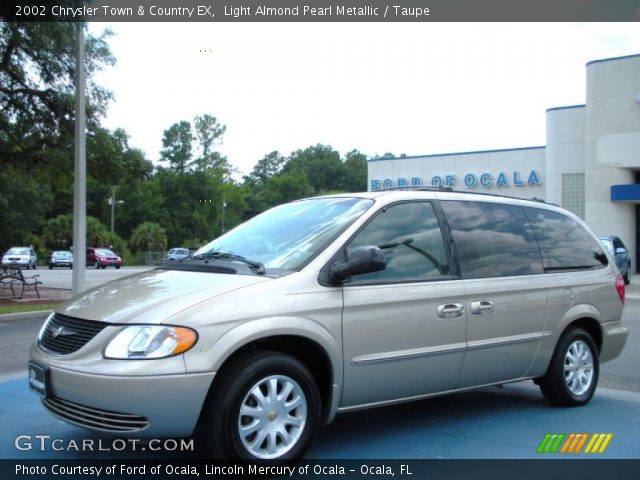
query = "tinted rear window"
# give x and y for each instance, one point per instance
(564, 243)
(492, 239)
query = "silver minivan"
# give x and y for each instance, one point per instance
(333, 304)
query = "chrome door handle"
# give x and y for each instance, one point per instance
(450, 310)
(485, 306)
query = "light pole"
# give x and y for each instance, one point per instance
(112, 202)
(224, 205)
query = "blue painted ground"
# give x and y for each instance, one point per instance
(507, 422)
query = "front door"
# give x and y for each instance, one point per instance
(403, 327)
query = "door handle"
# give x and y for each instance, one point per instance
(450, 310)
(484, 306)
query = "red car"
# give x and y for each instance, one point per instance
(102, 258)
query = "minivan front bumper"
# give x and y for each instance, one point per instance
(141, 405)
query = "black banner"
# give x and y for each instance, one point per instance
(322, 10)
(323, 469)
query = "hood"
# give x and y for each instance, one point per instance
(152, 296)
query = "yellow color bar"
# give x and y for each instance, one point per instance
(608, 437)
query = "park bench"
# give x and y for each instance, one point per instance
(13, 278)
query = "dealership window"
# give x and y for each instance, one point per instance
(565, 245)
(492, 239)
(573, 194)
(409, 236)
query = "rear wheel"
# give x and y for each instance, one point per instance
(573, 372)
(625, 277)
(264, 406)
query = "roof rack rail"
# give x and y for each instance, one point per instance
(427, 188)
(421, 188)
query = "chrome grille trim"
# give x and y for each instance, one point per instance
(73, 333)
(94, 418)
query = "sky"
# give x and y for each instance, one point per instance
(417, 88)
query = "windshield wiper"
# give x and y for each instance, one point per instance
(260, 270)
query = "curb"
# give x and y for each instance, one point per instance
(9, 317)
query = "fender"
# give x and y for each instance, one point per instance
(247, 332)
(548, 345)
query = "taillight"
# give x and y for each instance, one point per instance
(620, 287)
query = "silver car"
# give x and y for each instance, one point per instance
(334, 304)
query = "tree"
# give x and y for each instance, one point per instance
(321, 164)
(271, 164)
(148, 236)
(177, 145)
(355, 171)
(37, 69)
(208, 133)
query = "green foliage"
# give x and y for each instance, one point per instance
(148, 236)
(37, 69)
(177, 143)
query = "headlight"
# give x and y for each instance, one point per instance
(150, 341)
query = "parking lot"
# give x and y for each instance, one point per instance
(495, 422)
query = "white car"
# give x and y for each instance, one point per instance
(20, 257)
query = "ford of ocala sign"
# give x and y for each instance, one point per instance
(469, 180)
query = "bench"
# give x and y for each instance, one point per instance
(13, 278)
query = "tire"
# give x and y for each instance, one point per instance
(565, 390)
(50, 267)
(117, 267)
(267, 372)
(71, 267)
(35, 265)
(96, 265)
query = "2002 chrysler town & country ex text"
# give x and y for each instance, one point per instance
(332, 304)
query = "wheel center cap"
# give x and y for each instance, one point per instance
(272, 415)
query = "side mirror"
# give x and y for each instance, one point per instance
(363, 260)
(620, 251)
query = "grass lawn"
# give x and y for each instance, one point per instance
(27, 307)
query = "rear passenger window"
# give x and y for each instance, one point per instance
(492, 239)
(410, 238)
(564, 244)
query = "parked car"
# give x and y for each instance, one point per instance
(177, 254)
(60, 258)
(334, 304)
(621, 254)
(102, 258)
(20, 257)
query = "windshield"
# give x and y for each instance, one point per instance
(104, 252)
(18, 251)
(286, 236)
(62, 254)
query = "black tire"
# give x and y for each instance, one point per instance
(50, 267)
(221, 415)
(35, 265)
(117, 267)
(71, 266)
(554, 386)
(625, 277)
(96, 265)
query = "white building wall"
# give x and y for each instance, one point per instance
(565, 148)
(612, 144)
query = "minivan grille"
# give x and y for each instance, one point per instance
(94, 418)
(65, 335)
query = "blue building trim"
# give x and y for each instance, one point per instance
(455, 153)
(553, 109)
(625, 193)
(613, 58)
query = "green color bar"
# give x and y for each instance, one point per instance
(543, 443)
(558, 442)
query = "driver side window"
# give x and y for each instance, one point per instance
(410, 238)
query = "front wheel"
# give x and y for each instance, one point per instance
(264, 406)
(573, 372)
(96, 265)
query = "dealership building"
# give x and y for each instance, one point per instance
(590, 164)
